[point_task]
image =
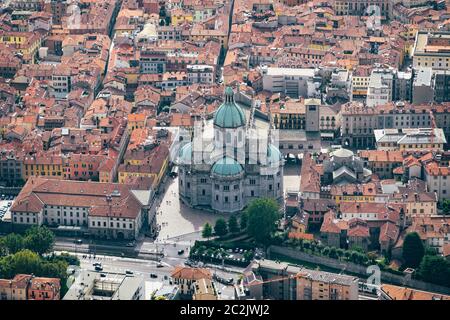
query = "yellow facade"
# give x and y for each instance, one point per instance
(124, 175)
(19, 40)
(180, 19)
(37, 169)
(351, 198)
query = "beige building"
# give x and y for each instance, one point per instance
(432, 49)
(189, 281)
(204, 290)
(319, 285)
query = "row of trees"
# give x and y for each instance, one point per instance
(36, 239)
(357, 255)
(258, 221)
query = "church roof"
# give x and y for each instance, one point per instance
(185, 154)
(227, 167)
(342, 153)
(229, 114)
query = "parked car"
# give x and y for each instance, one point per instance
(78, 241)
(180, 252)
(128, 272)
(98, 268)
(160, 265)
(130, 244)
(153, 275)
(102, 275)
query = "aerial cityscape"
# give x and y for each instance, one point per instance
(237, 150)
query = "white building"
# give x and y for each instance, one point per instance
(202, 74)
(291, 81)
(380, 88)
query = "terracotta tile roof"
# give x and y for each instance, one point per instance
(403, 293)
(389, 231)
(188, 273)
(359, 231)
(39, 192)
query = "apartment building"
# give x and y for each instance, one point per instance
(360, 78)
(410, 139)
(202, 74)
(381, 87)
(362, 7)
(359, 121)
(437, 178)
(431, 49)
(320, 285)
(283, 281)
(294, 83)
(29, 287)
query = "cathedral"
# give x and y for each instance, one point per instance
(229, 162)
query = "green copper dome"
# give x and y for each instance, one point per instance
(185, 154)
(227, 167)
(273, 155)
(229, 114)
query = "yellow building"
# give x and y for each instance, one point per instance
(204, 290)
(353, 193)
(47, 166)
(145, 163)
(179, 16)
(203, 35)
(136, 121)
(27, 43)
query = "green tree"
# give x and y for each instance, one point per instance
(262, 216)
(13, 242)
(39, 239)
(220, 228)
(244, 221)
(207, 231)
(413, 250)
(446, 206)
(233, 226)
(24, 261)
(333, 253)
(435, 269)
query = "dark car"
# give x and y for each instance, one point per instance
(160, 265)
(98, 268)
(153, 275)
(102, 275)
(128, 272)
(180, 252)
(230, 281)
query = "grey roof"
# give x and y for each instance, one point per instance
(343, 171)
(329, 277)
(423, 77)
